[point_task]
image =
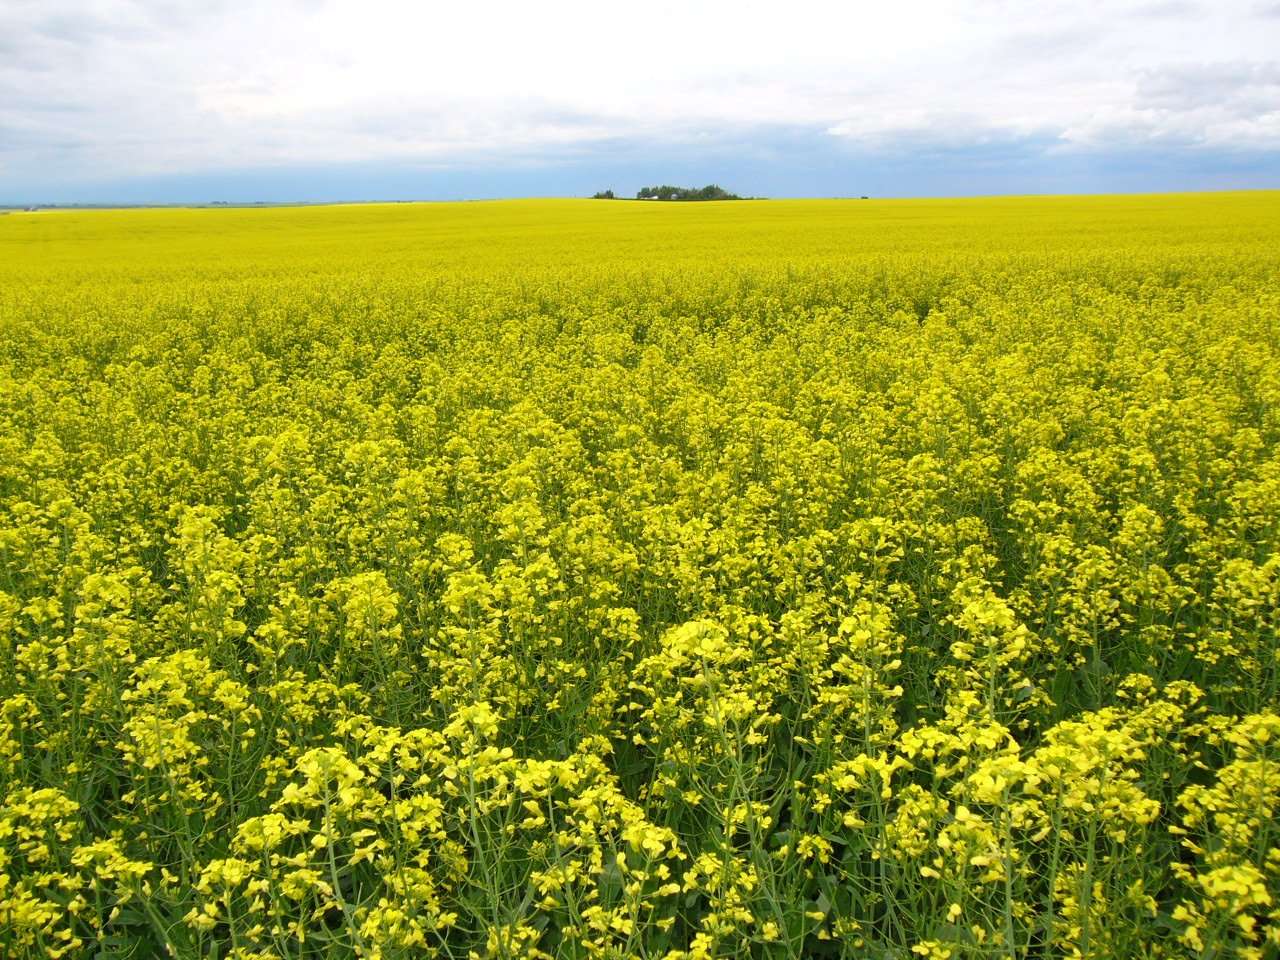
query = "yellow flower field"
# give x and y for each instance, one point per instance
(769, 579)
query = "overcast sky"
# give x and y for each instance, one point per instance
(194, 100)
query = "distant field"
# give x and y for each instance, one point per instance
(767, 579)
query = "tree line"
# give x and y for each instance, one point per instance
(667, 192)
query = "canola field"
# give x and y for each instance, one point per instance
(882, 579)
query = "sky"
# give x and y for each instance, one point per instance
(179, 101)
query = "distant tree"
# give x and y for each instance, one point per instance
(668, 192)
(604, 195)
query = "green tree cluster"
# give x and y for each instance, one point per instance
(709, 192)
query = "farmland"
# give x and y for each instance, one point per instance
(675, 581)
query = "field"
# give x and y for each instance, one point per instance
(883, 579)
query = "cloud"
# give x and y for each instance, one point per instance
(119, 88)
(922, 128)
(1233, 104)
(1236, 86)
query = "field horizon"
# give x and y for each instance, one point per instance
(53, 205)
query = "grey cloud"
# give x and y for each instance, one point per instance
(70, 28)
(36, 139)
(88, 25)
(83, 24)
(168, 15)
(1228, 105)
(59, 105)
(1041, 44)
(60, 36)
(1171, 9)
(1239, 87)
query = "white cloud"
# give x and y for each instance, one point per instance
(1234, 104)
(100, 88)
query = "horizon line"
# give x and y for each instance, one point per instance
(37, 206)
